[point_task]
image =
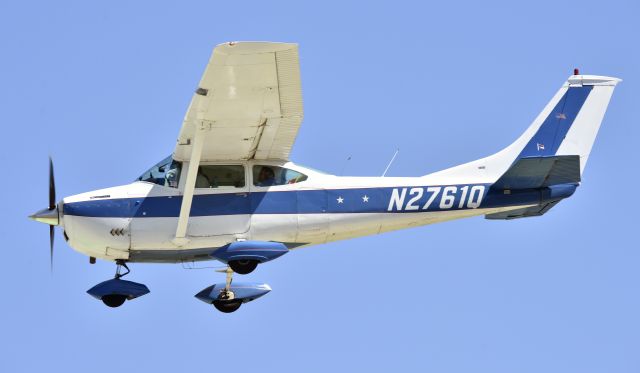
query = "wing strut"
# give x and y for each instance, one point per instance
(189, 186)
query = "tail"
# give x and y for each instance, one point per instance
(567, 126)
(571, 120)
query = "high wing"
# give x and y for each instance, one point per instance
(248, 104)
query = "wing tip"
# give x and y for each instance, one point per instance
(248, 47)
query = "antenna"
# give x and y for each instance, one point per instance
(390, 162)
(344, 165)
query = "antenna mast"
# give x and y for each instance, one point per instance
(390, 162)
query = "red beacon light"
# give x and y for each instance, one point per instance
(576, 71)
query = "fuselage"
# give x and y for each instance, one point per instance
(229, 200)
(137, 222)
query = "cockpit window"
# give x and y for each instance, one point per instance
(265, 175)
(165, 173)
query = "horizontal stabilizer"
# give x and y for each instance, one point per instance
(522, 213)
(539, 172)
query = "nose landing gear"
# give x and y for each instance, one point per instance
(115, 292)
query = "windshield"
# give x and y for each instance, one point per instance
(165, 173)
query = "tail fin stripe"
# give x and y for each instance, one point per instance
(549, 136)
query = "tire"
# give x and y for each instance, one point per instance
(243, 267)
(227, 306)
(114, 300)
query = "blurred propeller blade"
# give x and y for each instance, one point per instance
(50, 215)
(52, 186)
(52, 206)
(51, 236)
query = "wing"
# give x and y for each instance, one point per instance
(248, 104)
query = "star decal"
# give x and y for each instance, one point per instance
(340, 199)
(365, 198)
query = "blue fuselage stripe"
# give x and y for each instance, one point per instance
(361, 200)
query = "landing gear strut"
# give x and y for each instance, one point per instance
(226, 301)
(119, 264)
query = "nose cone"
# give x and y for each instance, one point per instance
(47, 216)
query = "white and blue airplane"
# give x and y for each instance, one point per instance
(230, 193)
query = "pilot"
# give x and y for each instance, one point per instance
(171, 178)
(266, 177)
(202, 181)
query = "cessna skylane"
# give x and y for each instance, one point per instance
(230, 193)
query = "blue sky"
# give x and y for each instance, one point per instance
(103, 87)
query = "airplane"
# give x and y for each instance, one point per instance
(230, 193)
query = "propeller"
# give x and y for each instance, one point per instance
(50, 215)
(52, 206)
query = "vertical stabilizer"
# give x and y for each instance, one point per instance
(568, 125)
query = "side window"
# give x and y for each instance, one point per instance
(220, 176)
(264, 175)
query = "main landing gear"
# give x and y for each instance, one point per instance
(229, 296)
(226, 301)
